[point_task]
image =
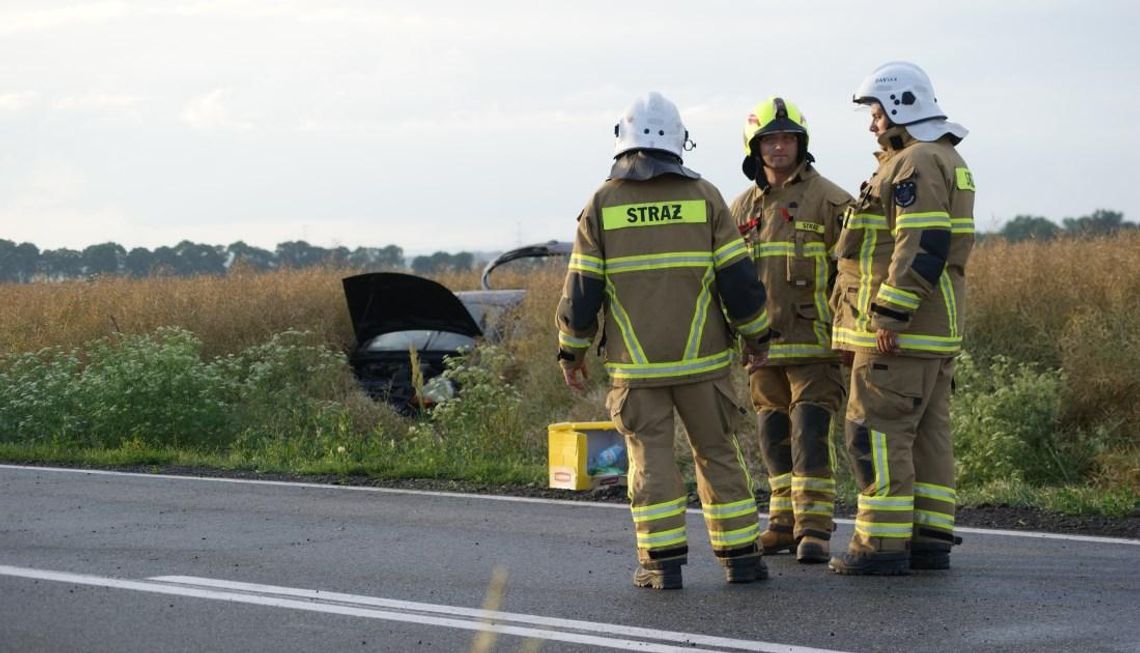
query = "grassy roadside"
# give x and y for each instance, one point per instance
(248, 374)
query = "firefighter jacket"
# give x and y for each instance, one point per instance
(665, 263)
(791, 231)
(903, 250)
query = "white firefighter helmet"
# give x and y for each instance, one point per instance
(650, 123)
(903, 89)
(907, 97)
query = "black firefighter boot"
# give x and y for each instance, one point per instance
(742, 565)
(863, 562)
(659, 575)
(932, 554)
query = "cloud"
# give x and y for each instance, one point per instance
(17, 101)
(209, 112)
(15, 21)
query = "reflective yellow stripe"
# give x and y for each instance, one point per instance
(735, 537)
(893, 504)
(936, 519)
(654, 214)
(589, 264)
(727, 510)
(781, 350)
(574, 342)
(822, 310)
(865, 221)
(879, 459)
(700, 315)
(727, 254)
(938, 492)
(783, 248)
(755, 326)
(907, 341)
(875, 529)
(961, 225)
(951, 302)
(821, 508)
(671, 368)
(661, 540)
(781, 482)
(659, 510)
(866, 253)
(617, 311)
(780, 504)
(660, 261)
(897, 296)
(813, 484)
(927, 220)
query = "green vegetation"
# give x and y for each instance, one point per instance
(247, 372)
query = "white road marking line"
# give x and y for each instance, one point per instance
(1094, 539)
(411, 612)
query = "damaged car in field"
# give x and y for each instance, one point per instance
(407, 325)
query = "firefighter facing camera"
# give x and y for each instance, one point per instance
(899, 303)
(657, 252)
(791, 217)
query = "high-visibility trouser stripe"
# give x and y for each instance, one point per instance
(951, 301)
(878, 529)
(700, 316)
(868, 221)
(924, 220)
(937, 492)
(729, 539)
(780, 504)
(670, 368)
(728, 253)
(583, 263)
(813, 484)
(729, 510)
(890, 504)
(781, 482)
(573, 342)
(882, 467)
(662, 540)
(659, 510)
(903, 298)
(934, 518)
(961, 225)
(907, 341)
(866, 253)
(754, 326)
(624, 325)
(821, 508)
(659, 261)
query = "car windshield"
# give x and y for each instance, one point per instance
(422, 340)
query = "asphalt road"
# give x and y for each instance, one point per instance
(97, 561)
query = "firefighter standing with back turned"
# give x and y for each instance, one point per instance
(791, 219)
(657, 251)
(899, 302)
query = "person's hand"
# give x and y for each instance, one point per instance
(887, 341)
(575, 375)
(754, 361)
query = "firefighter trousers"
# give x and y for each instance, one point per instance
(658, 498)
(898, 438)
(794, 406)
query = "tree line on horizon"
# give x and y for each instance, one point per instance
(24, 262)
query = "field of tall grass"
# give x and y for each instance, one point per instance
(248, 371)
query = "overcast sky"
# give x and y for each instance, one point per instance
(485, 125)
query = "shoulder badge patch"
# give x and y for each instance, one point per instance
(906, 192)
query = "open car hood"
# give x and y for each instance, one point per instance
(385, 302)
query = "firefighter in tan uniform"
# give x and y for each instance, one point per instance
(791, 218)
(899, 303)
(656, 250)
